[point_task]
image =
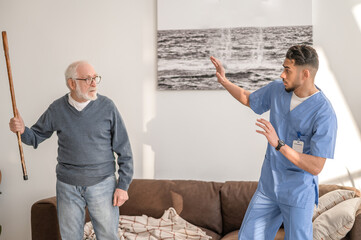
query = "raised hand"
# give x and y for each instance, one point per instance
(269, 131)
(221, 75)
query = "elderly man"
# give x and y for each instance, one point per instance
(301, 134)
(90, 130)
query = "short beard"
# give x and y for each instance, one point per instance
(84, 96)
(289, 90)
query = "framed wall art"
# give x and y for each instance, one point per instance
(249, 37)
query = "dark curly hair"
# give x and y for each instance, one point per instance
(303, 55)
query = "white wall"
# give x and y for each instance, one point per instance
(117, 37)
(337, 32)
(180, 135)
(337, 37)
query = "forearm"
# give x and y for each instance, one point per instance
(121, 146)
(309, 163)
(125, 172)
(29, 138)
(237, 92)
(33, 136)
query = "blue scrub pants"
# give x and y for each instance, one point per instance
(265, 216)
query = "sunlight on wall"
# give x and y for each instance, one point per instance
(345, 169)
(356, 10)
(148, 163)
(149, 99)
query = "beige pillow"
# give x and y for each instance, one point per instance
(336, 222)
(330, 200)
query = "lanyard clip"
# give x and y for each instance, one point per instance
(299, 135)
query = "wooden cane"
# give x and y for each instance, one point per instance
(12, 92)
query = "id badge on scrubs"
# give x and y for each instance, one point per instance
(298, 146)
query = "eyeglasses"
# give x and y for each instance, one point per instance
(89, 80)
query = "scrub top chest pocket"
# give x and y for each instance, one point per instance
(298, 144)
(299, 135)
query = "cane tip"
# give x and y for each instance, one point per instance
(25, 177)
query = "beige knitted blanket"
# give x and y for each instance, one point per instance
(169, 226)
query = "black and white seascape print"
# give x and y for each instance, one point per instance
(252, 54)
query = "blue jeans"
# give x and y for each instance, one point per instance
(265, 216)
(71, 203)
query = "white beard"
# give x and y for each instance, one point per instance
(85, 96)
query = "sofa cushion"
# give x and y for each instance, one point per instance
(231, 236)
(212, 234)
(336, 222)
(234, 235)
(325, 188)
(149, 197)
(44, 219)
(235, 197)
(198, 202)
(356, 229)
(331, 199)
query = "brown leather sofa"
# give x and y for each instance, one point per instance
(217, 208)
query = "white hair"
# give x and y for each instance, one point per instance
(72, 71)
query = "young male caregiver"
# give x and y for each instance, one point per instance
(301, 134)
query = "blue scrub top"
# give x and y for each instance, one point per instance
(316, 122)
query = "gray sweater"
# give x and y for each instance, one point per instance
(87, 141)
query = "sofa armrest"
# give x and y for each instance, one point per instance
(355, 232)
(44, 221)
